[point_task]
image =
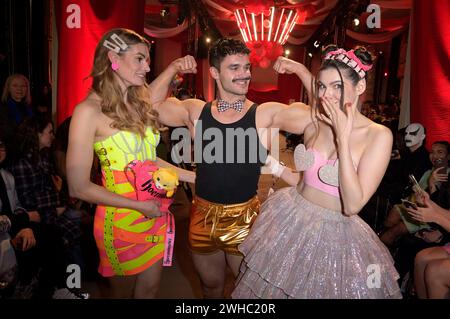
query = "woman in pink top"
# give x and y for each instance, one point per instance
(308, 241)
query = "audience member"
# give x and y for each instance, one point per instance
(39, 187)
(398, 222)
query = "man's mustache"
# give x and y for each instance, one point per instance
(243, 79)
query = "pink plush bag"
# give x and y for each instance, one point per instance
(140, 175)
(141, 178)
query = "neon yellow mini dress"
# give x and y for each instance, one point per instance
(128, 242)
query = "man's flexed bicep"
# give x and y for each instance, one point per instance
(292, 118)
(159, 88)
(284, 65)
(175, 113)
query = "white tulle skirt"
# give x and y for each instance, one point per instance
(297, 249)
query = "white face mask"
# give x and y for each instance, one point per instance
(414, 135)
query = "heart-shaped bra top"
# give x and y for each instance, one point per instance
(319, 172)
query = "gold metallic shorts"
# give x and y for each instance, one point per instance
(220, 227)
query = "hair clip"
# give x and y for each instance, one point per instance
(117, 45)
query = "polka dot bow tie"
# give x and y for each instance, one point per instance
(222, 105)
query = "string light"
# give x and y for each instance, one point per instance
(266, 30)
(251, 30)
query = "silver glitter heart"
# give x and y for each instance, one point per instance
(329, 174)
(303, 159)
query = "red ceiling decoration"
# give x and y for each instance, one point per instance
(266, 28)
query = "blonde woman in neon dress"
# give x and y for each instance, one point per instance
(117, 122)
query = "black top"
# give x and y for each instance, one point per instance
(229, 166)
(417, 162)
(395, 184)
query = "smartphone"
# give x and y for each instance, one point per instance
(409, 204)
(441, 164)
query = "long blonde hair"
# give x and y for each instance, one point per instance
(7, 88)
(140, 114)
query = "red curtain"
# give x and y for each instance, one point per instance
(430, 68)
(80, 25)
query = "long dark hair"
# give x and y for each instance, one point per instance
(28, 136)
(343, 69)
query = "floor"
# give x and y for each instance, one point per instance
(181, 281)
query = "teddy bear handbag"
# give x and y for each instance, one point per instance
(156, 183)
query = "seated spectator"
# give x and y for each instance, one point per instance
(36, 246)
(398, 222)
(411, 244)
(16, 98)
(39, 187)
(432, 265)
(15, 107)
